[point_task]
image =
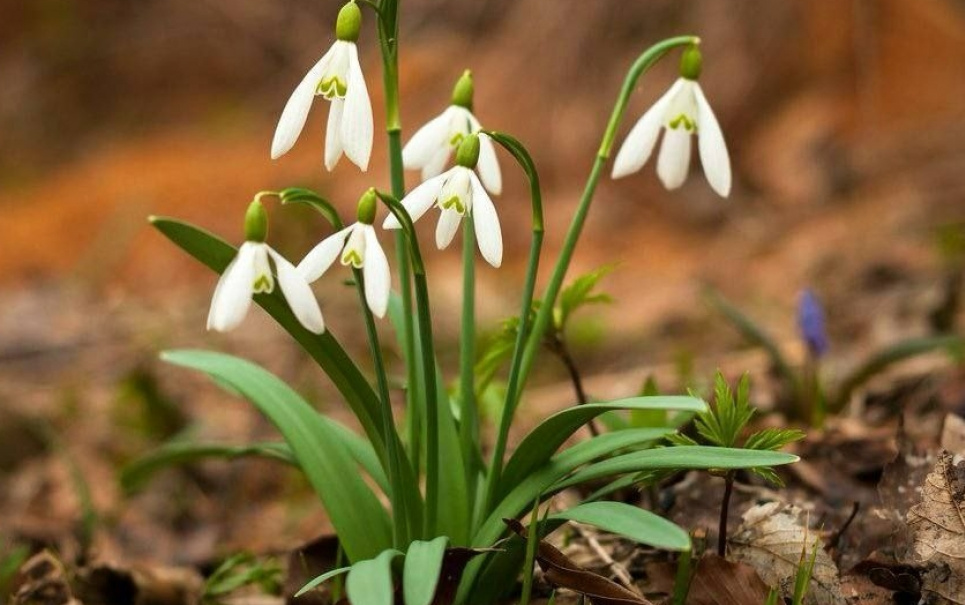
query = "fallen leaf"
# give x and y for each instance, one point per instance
(43, 581)
(717, 581)
(939, 525)
(771, 540)
(953, 434)
(559, 570)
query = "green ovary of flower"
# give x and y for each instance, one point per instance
(689, 124)
(454, 203)
(332, 87)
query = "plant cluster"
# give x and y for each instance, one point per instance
(444, 485)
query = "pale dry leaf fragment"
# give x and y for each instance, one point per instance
(939, 525)
(771, 540)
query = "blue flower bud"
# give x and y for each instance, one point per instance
(810, 320)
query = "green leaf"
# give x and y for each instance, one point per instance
(537, 447)
(580, 293)
(423, 562)
(319, 580)
(370, 582)
(324, 349)
(362, 524)
(680, 458)
(542, 479)
(891, 355)
(773, 439)
(181, 452)
(630, 521)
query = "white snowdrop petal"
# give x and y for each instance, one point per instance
(378, 281)
(446, 228)
(674, 159)
(710, 144)
(357, 129)
(437, 164)
(232, 295)
(428, 142)
(488, 166)
(333, 139)
(419, 200)
(296, 109)
(489, 236)
(320, 258)
(638, 146)
(299, 294)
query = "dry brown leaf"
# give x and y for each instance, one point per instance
(953, 434)
(939, 525)
(771, 540)
(718, 581)
(559, 570)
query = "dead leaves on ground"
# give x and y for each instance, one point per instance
(772, 539)
(939, 525)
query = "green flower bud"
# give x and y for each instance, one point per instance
(349, 22)
(256, 223)
(463, 90)
(368, 204)
(691, 63)
(468, 152)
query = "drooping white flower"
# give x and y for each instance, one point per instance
(431, 146)
(338, 78)
(356, 246)
(458, 193)
(681, 112)
(250, 273)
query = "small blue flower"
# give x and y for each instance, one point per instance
(810, 320)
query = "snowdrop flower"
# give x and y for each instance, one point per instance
(458, 193)
(249, 273)
(358, 247)
(681, 111)
(430, 147)
(338, 78)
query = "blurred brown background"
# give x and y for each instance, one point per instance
(845, 122)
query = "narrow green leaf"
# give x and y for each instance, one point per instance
(891, 355)
(138, 472)
(423, 562)
(537, 447)
(319, 580)
(324, 349)
(362, 524)
(630, 521)
(369, 582)
(680, 457)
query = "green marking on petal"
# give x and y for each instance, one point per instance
(685, 121)
(456, 139)
(352, 257)
(454, 203)
(263, 283)
(332, 87)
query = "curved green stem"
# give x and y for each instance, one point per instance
(525, 161)
(400, 529)
(545, 312)
(432, 401)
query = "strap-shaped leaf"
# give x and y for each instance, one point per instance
(679, 457)
(630, 521)
(319, 580)
(370, 582)
(543, 441)
(358, 517)
(324, 349)
(183, 452)
(423, 562)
